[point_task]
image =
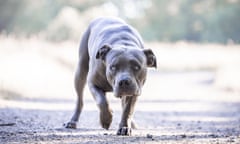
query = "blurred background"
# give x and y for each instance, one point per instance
(194, 94)
(196, 43)
(204, 21)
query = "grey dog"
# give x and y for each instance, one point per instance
(112, 58)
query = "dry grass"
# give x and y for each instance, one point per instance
(33, 68)
(224, 60)
(36, 68)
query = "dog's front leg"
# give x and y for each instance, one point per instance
(101, 100)
(128, 103)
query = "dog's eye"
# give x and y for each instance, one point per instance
(136, 67)
(113, 67)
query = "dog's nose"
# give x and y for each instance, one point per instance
(125, 82)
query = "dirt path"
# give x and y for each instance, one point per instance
(174, 108)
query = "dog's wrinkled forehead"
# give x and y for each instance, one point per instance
(124, 56)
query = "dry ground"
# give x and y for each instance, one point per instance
(193, 97)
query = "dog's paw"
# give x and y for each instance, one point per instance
(124, 131)
(71, 125)
(106, 118)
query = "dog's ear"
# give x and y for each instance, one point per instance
(102, 52)
(151, 58)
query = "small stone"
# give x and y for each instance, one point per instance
(150, 136)
(213, 136)
(231, 140)
(183, 136)
(192, 136)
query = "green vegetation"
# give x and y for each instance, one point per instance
(157, 20)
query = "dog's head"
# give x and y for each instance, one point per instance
(126, 68)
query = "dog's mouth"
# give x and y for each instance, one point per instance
(125, 85)
(121, 92)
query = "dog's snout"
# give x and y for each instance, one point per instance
(125, 82)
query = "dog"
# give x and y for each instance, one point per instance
(112, 58)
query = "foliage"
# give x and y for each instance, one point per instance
(157, 20)
(192, 20)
